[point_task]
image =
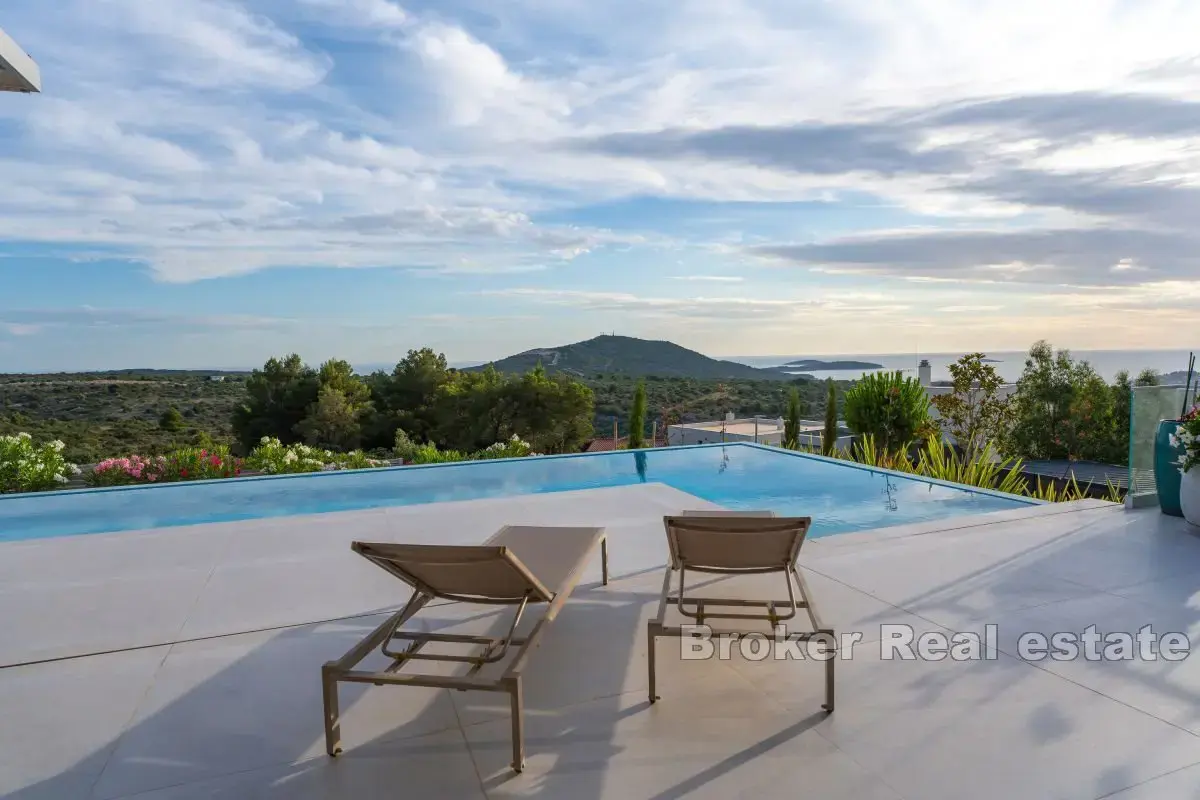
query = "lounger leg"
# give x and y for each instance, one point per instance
(829, 662)
(604, 558)
(333, 726)
(518, 725)
(651, 641)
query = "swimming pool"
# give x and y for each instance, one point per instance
(840, 497)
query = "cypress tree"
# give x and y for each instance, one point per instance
(791, 422)
(829, 438)
(637, 417)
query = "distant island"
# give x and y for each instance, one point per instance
(831, 366)
(991, 361)
(625, 355)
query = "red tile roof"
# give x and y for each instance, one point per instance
(604, 445)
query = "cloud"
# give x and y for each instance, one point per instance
(808, 148)
(1083, 256)
(364, 13)
(715, 309)
(1008, 147)
(211, 43)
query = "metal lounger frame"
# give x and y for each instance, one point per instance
(489, 649)
(656, 627)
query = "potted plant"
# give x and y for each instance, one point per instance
(1187, 438)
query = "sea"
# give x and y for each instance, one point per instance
(1009, 364)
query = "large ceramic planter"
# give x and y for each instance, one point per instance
(1189, 496)
(1166, 468)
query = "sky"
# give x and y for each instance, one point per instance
(207, 183)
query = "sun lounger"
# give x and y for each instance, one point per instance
(522, 566)
(737, 543)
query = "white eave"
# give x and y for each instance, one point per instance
(18, 72)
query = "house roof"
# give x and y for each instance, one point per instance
(604, 445)
(1085, 472)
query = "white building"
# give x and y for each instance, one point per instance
(18, 72)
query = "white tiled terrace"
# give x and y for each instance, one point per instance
(184, 663)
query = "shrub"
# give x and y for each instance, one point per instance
(271, 457)
(357, 459)
(199, 463)
(983, 469)
(513, 448)
(126, 471)
(429, 454)
(404, 447)
(29, 467)
(171, 420)
(890, 408)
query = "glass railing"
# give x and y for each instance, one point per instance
(1150, 405)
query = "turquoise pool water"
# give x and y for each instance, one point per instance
(840, 497)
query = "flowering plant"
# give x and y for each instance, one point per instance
(272, 457)
(29, 467)
(1187, 436)
(126, 471)
(513, 448)
(187, 464)
(200, 463)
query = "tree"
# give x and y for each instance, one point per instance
(553, 414)
(406, 398)
(637, 417)
(171, 420)
(830, 434)
(277, 400)
(974, 413)
(332, 422)
(338, 374)
(890, 408)
(791, 421)
(1061, 409)
(472, 410)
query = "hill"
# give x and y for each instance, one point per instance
(625, 355)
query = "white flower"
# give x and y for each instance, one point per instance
(1174, 440)
(60, 478)
(290, 457)
(74, 469)
(265, 440)
(23, 435)
(57, 445)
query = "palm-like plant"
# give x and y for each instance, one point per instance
(890, 408)
(984, 469)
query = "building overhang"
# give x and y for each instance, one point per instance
(18, 72)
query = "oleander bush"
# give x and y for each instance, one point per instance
(184, 464)
(272, 457)
(515, 447)
(28, 466)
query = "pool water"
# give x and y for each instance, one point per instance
(839, 497)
